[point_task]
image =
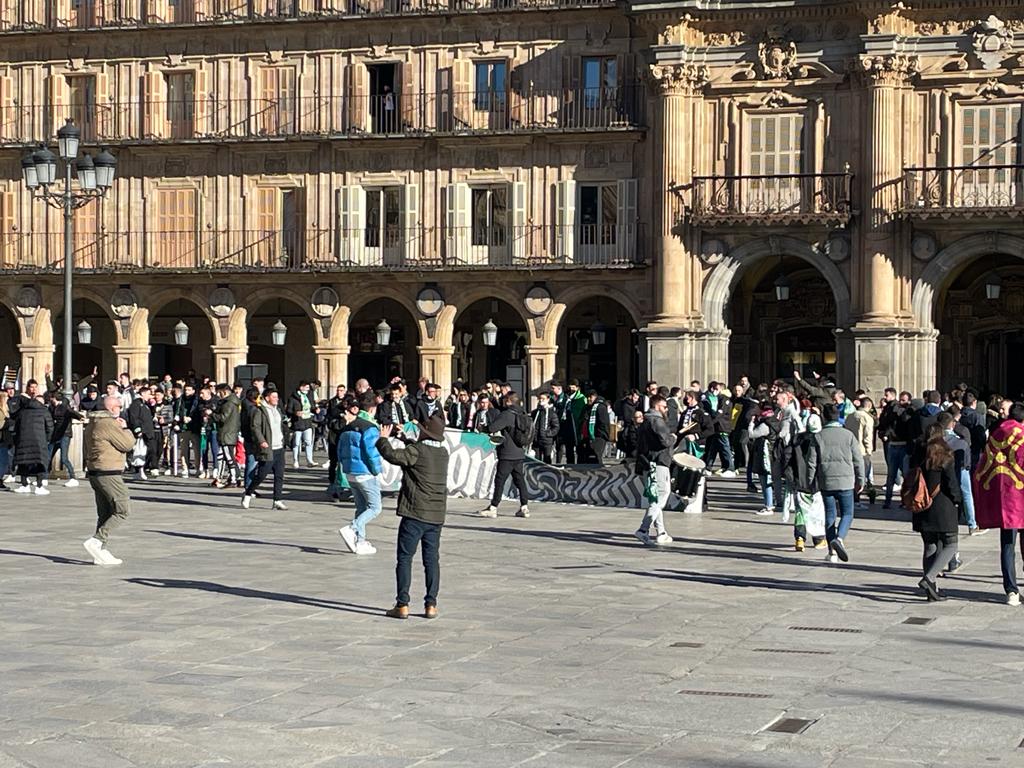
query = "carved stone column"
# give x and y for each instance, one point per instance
(436, 364)
(331, 365)
(34, 359)
(541, 361)
(225, 358)
(133, 360)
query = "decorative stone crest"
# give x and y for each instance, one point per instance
(123, 303)
(777, 55)
(429, 301)
(992, 42)
(28, 301)
(538, 300)
(714, 252)
(679, 79)
(375, 51)
(837, 247)
(324, 301)
(221, 301)
(778, 99)
(891, 69)
(923, 246)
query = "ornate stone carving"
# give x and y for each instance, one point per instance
(725, 39)
(714, 252)
(892, 22)
(923, 246)
(777, 55)
(837, 247)
(680, 33)
(891, 69)
(778, 99)
(324, 301)
(538, 300)
(123, 303)
(679, 79)
(221, 301)
(28, 301)
(992, 42)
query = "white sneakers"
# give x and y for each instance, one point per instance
(663, 538)
(728, 473)
(832, 557)
(765, 511)
(363, 547)
(100, 556)
(23, 489)
(348, 535)
(489, 512)
(246, 500)
(1012, 598)
(72, 483)
(142, 473)
(524, 511)
(41, 491)
(280, 505)
(650, 541)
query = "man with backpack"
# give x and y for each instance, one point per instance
(516, 430)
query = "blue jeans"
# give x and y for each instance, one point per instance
(250, 463)
(766, 490)
(965, 490)
(411, 534)
(302, 439)
(895, 457)
(5, 461)
(366, 495)
(64, 446)
(837, 503)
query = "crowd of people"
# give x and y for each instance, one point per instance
(804, 447)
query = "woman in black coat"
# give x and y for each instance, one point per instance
(33, 427)
(939, 523)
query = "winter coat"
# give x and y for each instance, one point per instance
(655, 443)
(335, 419)
(140, 420)
(228, 418)
(424, 492)
(720, 411)
(106, 443)
(545, 426)
(63, 415)
(998, 503)
(841, 460)
(625, 408)
(425, 408)
(460, 415)
(357, 447)
(33, 427)
(301, 415)
(862, 425)
(629, 439)
(260, 431)
(942, 516)
(602, 424)
(505, 424)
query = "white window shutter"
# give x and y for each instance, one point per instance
(350, 208)
(626, 218)
(411, 233)
(565, 220)
(457, 222)
(520, 237)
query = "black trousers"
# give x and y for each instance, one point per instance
(412, 533)
(508, 467)
(565, 450)
(543, 452)
(153, 446)
(595, 450)
(264, 468)
(332, 455)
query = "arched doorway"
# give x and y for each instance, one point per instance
(98, 353)
(10, 334)
(288, 363)
(475, 362)
(981, 326)
(167, 354)
(598, 344)
(379, 364)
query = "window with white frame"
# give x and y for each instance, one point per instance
(598, 213)
(990, 139)
(489, 210)
(775, 154)
(384, 217)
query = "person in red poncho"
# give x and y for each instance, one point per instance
(998, 486)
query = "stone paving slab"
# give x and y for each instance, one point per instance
(236, 637)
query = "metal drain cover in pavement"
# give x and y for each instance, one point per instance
(919, 620)
(729, 694)
(790, 725)
(828, 629)
(683, 644)
(792, 650)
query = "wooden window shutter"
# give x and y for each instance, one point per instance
(154, 107)
(411, 234)
(63, 16)
(457, 224)
(520, 234)
(565, 219)
(201, 94)
(357, 95)
(8, 115)
(462, 93)
(104, 111)
(407, 96)
(625, 238)
(58, 102)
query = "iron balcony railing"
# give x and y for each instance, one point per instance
(967, 189)
(304, 249)
(414, 114)
(42, 15)
(772, 198)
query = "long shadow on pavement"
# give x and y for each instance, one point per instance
(52, 558)
(258, 542)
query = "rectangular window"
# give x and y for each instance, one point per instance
(490, 216)
(599, 214)
(490, 94)
(275, 106)
(600, 81)
(82, 104)
(774, 153)
(383, 217)
(181, 104)
(991, 136)
(181, 11)
(175, 233)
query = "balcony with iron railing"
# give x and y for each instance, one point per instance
(325, 250)
(963, 191)
(768, 199)
(334, 117)
(84, 15)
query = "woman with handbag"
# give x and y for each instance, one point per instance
(932, 465)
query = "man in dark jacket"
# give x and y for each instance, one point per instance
(187, 426)
(140, 421)
(301, 407)
(629, 435)
(270, 431)
(60, 440)
(335, 423)
(228, 418)
(545, 428)
(429, 404)
(460, 412)
(422, 503)
(33, 426)
(510, 424)
(595, 429)
(718, 406)
(249, 406)
(975, 424)
(653, 460)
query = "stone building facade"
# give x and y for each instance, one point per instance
(626, 190)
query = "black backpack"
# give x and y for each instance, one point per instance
(523, 432)
(806, 444)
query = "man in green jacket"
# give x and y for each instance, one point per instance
(422, 502)
(228, 418)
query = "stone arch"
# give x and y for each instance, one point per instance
(719, 285)
(156, 302)
(511, 297)
(942, 268)
(358, 302)
(254, 300)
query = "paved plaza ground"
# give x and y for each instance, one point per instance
(251, 638)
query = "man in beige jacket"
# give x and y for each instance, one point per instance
(862, 423)
(107, 441)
